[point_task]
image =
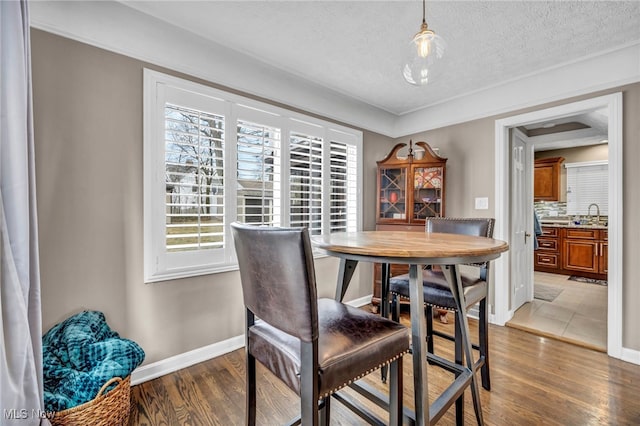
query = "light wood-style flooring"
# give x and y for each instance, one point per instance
(535, 381)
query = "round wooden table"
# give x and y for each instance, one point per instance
(416, 249)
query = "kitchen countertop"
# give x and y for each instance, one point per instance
(563, 224)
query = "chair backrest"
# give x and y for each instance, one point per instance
(479, 227)
(278, 277)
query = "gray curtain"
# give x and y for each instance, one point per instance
(20, 320)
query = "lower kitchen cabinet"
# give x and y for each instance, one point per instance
(573, 251)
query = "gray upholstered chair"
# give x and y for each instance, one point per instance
(315, 346)
(437, 293)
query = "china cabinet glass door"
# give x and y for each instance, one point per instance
(427, 192)
(393, 200)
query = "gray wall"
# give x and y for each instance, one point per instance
(88, 127)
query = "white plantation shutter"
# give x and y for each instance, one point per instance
(305, 182)
(194, 178)
(587, 183)
(258, 173)
(343, 188)
(213, 157)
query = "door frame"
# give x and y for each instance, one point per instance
(502, 311)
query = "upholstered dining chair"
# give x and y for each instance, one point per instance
(315, 346)
(437, 293)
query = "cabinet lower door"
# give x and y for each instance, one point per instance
(581, 256)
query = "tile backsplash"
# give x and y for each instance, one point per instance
(550, 208)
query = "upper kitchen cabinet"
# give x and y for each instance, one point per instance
(546, 179)
(410, 188)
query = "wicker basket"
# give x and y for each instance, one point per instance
(109, 409)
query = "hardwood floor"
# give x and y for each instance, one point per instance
(535, 380)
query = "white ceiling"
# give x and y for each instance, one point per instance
(356, 47)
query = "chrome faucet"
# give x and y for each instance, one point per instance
(597, 212)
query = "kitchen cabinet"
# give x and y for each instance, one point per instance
(546, 179)
(570, 250)
(585, 252)
(603, 254)
(547, 257)
(409, 189)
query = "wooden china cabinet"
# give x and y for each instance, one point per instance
(410, 189)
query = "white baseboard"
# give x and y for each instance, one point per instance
(360, 302)
(630, 355)
(187, 359)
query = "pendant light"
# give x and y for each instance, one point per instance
(425, 51)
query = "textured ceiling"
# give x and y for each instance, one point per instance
(357, 47)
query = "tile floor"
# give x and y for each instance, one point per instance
(578, 315)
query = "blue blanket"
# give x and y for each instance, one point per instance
(80, 355)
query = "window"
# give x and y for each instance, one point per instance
(211, 158)
(258, 174)
(305, 182)
(587, 183)
(194, 179)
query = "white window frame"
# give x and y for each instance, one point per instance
(160, 265)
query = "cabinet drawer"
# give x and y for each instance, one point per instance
(547, 260)
(548, 244)
(549, 232)
(605, 234)
(581, 233)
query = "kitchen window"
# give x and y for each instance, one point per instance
(587, 183)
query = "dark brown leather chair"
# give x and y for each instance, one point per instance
(315, 346)
(437, 293)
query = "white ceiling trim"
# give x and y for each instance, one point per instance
(117, 28)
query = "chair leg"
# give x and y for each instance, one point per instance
(395, 393)
(384, 306)
(483, 339)
(459, 359)
(429, 315)
(395, 308)
(325, 411)
(308, 384)
(251, 390)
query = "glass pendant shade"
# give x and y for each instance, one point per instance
(425, 51)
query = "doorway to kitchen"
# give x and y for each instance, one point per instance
(569, 300)
(504, 303)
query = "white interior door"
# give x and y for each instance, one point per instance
(521, 244)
